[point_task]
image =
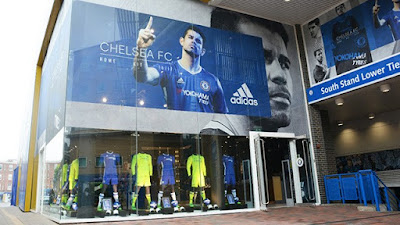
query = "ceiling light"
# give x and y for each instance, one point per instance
(371, 116)
(287, 0)
(339, 101)
(384, 88)
(104, 99)
(141, 102)
(340, 123)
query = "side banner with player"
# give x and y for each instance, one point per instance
(352, 35)
(125, 58)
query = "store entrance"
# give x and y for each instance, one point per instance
(277, 171)
(283, 170)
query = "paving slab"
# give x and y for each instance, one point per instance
(325, 214)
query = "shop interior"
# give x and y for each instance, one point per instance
(224, 165)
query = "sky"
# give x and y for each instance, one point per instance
(22, 24)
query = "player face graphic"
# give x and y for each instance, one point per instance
(319, 56)
(277, 66)
(192, 43)
(314, 29)
(340, 9)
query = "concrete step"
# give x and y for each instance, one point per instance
(372, 208)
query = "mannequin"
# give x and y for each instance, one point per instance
(229, 175)
(69, 181)
(57, 184)
(64, 182)
(166, 169)
(110, 161)
(141, 167)
(196, 169)
(73, 184)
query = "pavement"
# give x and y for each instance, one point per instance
(4, 204)
(326, 214)
(12, 215)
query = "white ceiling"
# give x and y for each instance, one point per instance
(359, 103)
(292, 12)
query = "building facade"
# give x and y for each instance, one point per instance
(6, 175)
(177, 107)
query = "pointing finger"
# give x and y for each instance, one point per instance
(150, 23)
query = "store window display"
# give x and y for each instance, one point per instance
(69, 181)
(230, 177)
(142, 170)
(110, 161)
(235, 174)
(73, 185)
(165, 174)
(63, 196)
(166, 169)
(196, 169)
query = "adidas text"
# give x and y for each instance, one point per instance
(244, 101)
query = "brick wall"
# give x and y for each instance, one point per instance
(5, 172)
(321, 131)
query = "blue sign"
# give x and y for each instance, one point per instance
(230, 78)
(367, 75)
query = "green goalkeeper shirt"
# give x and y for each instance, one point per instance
(73, 173)
(144, 165)
(198, 166)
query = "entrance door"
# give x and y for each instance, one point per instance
(306, 171)
(274, 165)
(287, 182)
(278, 175)
(259, 172)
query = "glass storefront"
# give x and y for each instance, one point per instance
(133, 123)
(123, 173)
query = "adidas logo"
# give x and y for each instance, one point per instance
(243, 96)
(180, 81)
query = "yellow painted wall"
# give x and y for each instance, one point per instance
(31, 182)
(34, 181)
(30, 198)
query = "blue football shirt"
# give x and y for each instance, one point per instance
(198, 92)
(110, 161)
(392, 18)
(167, 164)
(351, 47)
(229, 165)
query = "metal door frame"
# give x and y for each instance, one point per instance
(289, 201)
(257, 167)
(308, 162)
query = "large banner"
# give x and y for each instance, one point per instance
(354, 36)
(226, 74)
(150, 67)
(345, 40)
